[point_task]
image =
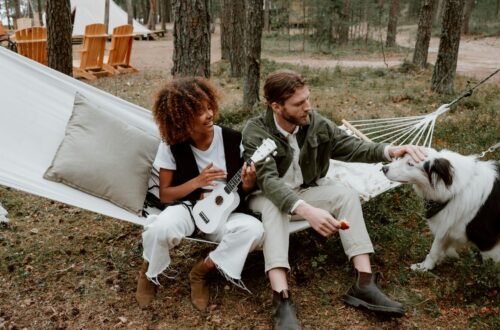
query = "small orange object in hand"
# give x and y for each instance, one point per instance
(344, 224)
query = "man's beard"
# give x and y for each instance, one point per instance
(294, 120)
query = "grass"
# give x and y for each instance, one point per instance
(278, 44)
(62, 267)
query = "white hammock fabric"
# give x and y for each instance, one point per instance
(35, 106)
(3, 214)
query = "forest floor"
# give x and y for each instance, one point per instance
(62, 267)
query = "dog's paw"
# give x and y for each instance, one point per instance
(420, 267)
(452, 253)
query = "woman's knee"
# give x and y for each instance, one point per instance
(249, 227)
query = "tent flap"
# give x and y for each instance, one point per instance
(92, 11)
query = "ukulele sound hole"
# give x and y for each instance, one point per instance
(219, 200)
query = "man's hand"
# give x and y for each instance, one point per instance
(320, 220)
(248, 177)
(417, 153)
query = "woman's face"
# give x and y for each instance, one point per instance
(204, 121)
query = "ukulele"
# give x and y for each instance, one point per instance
(212, 212)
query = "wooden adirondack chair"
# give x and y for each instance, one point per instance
(121, 49)
(92, 54)
(3, 34)
(32, 43)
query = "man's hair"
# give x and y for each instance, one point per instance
(179, 102)
(281, 85)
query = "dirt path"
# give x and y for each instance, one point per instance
(476, 58)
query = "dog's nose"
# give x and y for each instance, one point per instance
(385, 169)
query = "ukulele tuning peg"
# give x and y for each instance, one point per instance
(275, 153)
(268, 159)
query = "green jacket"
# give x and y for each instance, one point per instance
(319, 141)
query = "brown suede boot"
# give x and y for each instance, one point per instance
(199, 287)
(146, 289)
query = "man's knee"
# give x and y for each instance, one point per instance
(350, 197)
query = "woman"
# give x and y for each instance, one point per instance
(195, 155)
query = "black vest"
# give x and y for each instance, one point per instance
(187, 168)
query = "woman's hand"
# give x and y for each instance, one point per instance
(248, 177)
(208, 175)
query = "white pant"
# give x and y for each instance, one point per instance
(335, 198)
(241, 235)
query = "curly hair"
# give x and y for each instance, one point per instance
(179, 102)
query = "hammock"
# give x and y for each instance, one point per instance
(37, 103)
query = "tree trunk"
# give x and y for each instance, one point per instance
(40, 11)
(252, 40)
(130, 12)
(17, 14)
(60, 52)
(393, 24)
(7, 13)
(413, 10)
(438, 13)
(237, 53)
(267, 22)
(29, 8)
(152, 15)
(163, 19)
(145, 11)
(344, 23)
(424, 33)
(106, 14)
(168, 10)
(446, 63)
(468, 8)
(225, 29)
(191, 38)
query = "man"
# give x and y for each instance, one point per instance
(293, 183)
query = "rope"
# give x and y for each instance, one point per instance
(412, 129)
(490, 149)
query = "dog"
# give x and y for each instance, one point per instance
(462, 199)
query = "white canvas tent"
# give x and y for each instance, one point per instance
(92, 11)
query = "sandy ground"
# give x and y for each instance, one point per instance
(476, 58)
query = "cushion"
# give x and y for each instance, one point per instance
(104, 156)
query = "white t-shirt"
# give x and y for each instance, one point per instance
(214, 154)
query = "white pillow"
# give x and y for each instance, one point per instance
(104, 156)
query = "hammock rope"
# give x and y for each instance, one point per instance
(416, 130)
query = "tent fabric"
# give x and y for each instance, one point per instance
(35, 107)
(92, 11)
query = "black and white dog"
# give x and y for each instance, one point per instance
(462, 198)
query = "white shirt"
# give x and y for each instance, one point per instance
(293, 176)
(214, 154)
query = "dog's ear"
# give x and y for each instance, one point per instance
(440, 167)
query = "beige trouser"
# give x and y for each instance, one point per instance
(339, 200)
